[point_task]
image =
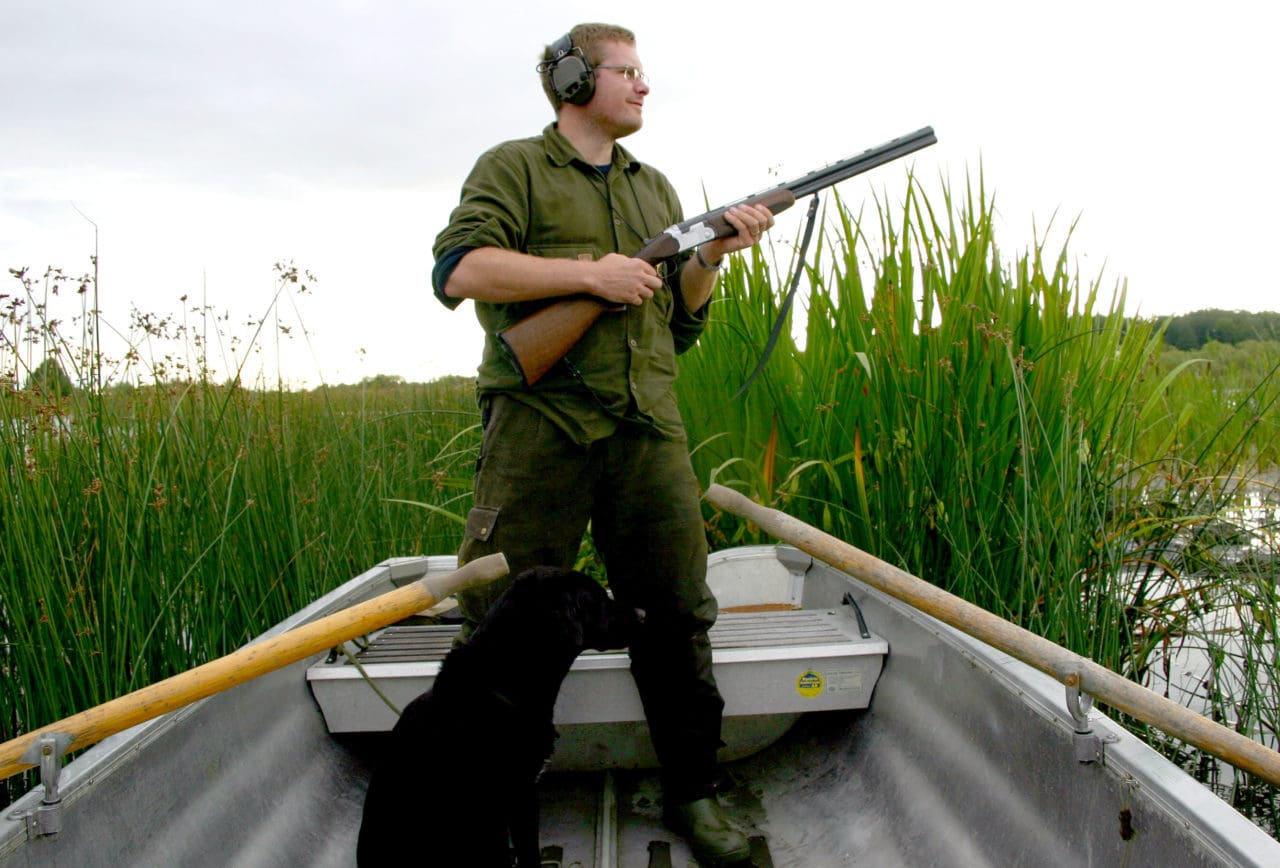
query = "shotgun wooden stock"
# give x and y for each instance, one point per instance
(91, 726)
(537, 342)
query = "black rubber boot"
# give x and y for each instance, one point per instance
(703, 824)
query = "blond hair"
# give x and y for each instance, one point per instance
(590, 40)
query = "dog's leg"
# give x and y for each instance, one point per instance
(522, 817)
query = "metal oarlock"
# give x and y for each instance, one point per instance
(46, 751)
(1089, 746)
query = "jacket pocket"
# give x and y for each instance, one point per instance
(565, 251)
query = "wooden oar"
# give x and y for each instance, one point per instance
(90, 727)
(1067, 667)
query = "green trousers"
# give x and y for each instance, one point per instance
(535, 492)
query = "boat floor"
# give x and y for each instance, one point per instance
(758, 794)
(627, 808)
(614, 818)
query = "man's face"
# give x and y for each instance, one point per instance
(618, 104)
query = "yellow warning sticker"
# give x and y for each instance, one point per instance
(809, 684)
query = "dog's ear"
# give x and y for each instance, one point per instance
(577, 615)
(562, 606)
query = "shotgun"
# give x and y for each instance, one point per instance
(537, 342)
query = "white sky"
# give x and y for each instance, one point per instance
(208, 141)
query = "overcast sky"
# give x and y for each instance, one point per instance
(209, 141)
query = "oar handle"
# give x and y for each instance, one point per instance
(1065, 666)
(91, 726)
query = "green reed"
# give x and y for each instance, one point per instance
(150, 528)
(998, 427)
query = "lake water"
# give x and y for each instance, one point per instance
(1239, 620)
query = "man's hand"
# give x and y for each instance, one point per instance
(751, 221)
(624, 279)
(696, 281)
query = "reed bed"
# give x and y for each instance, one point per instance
(1002, 430)
(150, 528)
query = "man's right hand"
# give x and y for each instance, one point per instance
(620, 279)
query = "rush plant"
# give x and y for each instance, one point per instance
(997, 426)
(165, 519)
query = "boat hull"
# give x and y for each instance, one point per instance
(964, 757)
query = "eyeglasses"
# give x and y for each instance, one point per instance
(630, 73)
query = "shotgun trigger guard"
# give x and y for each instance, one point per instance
(693, 235)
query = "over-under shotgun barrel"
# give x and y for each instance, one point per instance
(541, 339)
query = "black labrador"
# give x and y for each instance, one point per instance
(460, 775)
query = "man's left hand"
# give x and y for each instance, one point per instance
(751, 221)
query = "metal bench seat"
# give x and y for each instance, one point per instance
(765, 663)
(770, 666)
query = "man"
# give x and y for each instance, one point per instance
(599, 438)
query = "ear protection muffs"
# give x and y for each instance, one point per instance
(572, 78)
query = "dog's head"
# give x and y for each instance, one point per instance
(606, 623)
(574, 606)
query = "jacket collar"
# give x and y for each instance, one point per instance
(561, 152)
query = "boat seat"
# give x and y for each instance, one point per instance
(765, 662)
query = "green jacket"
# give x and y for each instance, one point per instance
(538, 196)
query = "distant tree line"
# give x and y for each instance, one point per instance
(50, 380)
(1193, 330)
(1189, 331)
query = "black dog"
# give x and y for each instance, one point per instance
(464, 759)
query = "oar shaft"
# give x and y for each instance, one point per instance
(91, 726)
(1066, 666)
